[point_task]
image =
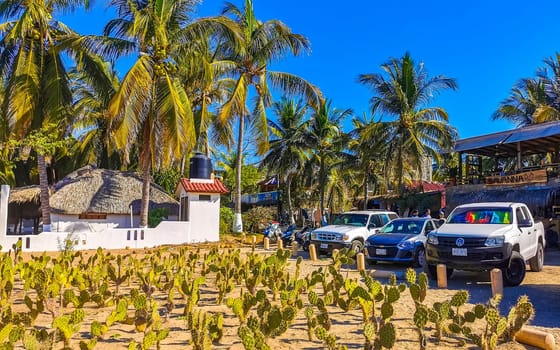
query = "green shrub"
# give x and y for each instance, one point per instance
(226, 220)
(155, 216)
(256, 218)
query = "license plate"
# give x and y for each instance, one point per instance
(459, 251)
(381, 252)
(324, 246)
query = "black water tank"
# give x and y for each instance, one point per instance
(200, 167)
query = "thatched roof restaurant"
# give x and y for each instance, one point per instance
(90, 190)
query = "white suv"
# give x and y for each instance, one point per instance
(350, 230)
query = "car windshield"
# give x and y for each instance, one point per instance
(403, 226)
(351, 219)
(498, 216)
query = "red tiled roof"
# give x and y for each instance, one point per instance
(428, 186)
(204, 187)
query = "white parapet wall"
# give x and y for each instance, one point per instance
(166, 233)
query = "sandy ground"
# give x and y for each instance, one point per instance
(543, 289)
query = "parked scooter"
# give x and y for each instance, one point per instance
(289, 235)
(272, 231)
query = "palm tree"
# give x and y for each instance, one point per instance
(37, 87)
(92, 97)
(534, 100)
(368, 145)
(152, 109)
(203, 73)
(526, 98)
(287, 153)
(419, 131)
(328, 141)
(261, 43)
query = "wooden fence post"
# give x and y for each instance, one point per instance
(442, 276)
(360, 262)
(312, 252)
(266, 243)
(497, 282)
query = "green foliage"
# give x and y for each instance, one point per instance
(226, 220)
(167, 178)
(256, 218)
(157, 215)
(250, 178)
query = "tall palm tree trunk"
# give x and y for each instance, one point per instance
(289, 195)
(146, 179)
(322, 181)
(365, 192)
(238, 222)
(44, 194)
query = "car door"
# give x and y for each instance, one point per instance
(530, 241)
(526, 233)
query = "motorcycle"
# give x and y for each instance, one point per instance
(272, 231)
(288, 235)
(303, 237)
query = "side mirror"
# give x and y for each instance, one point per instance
(525, 223)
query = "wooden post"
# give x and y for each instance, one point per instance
(360, 261)
(266, 243)
(497, 282)
(280, 244)
(312, 252)
(442, 276)
(254, 240)
(294, 249)
(535, 337)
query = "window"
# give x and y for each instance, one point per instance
(92, 216)
(429, 227)
(204, 197)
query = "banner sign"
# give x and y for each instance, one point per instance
(259, 198)
(520, 178)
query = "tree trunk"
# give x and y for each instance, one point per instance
(289, 195)
(322, 180)
(44, 194)
(238, 222)
(365, 192)
(146, 179)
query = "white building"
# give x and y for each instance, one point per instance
(94, 208)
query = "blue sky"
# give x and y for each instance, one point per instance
(486, 45)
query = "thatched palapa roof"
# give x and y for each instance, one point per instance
(90, 190)
(26, 194)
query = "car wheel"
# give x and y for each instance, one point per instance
(431, 271)
(419, 258)
(514, 273)
(537, 261)
(357, 246)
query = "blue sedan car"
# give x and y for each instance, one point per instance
(401, 240)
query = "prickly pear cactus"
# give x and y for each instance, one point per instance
(518, 316)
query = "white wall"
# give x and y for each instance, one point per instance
(167, 232)
(72, 223)
(204, 216)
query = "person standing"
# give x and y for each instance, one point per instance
(427, 213)
(414, 213)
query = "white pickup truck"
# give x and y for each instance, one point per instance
(350, 230)
(483, 236)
